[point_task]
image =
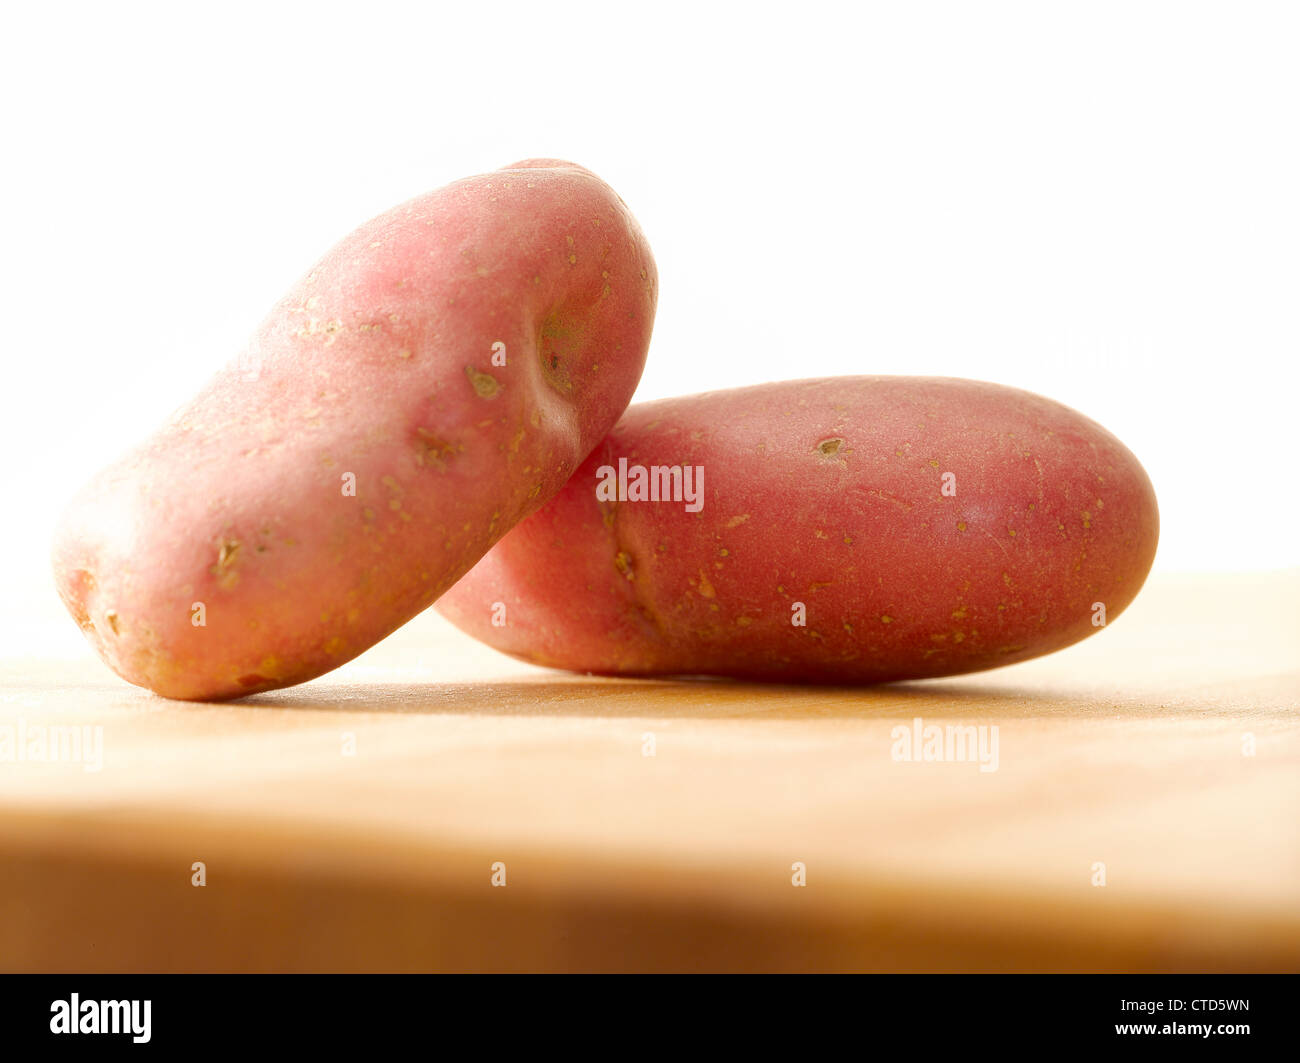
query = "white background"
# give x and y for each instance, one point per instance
(1097, 202)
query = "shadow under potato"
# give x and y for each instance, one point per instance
(594, 696)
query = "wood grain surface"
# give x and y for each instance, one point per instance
(1167, 749)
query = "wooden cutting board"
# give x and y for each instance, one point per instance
(354, 823)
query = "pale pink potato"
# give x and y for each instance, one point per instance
(825, 500)
(377, 367)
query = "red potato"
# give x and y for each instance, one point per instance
(434, 379)
(860, 529)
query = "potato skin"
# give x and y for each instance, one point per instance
(829, 493)
(377, 366)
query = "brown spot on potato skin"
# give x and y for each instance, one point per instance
(623, 562)
(432, 451)
(227, 557)
(560, 335)
(485, 385)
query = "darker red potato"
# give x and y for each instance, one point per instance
(827, 498)
(455, 359)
